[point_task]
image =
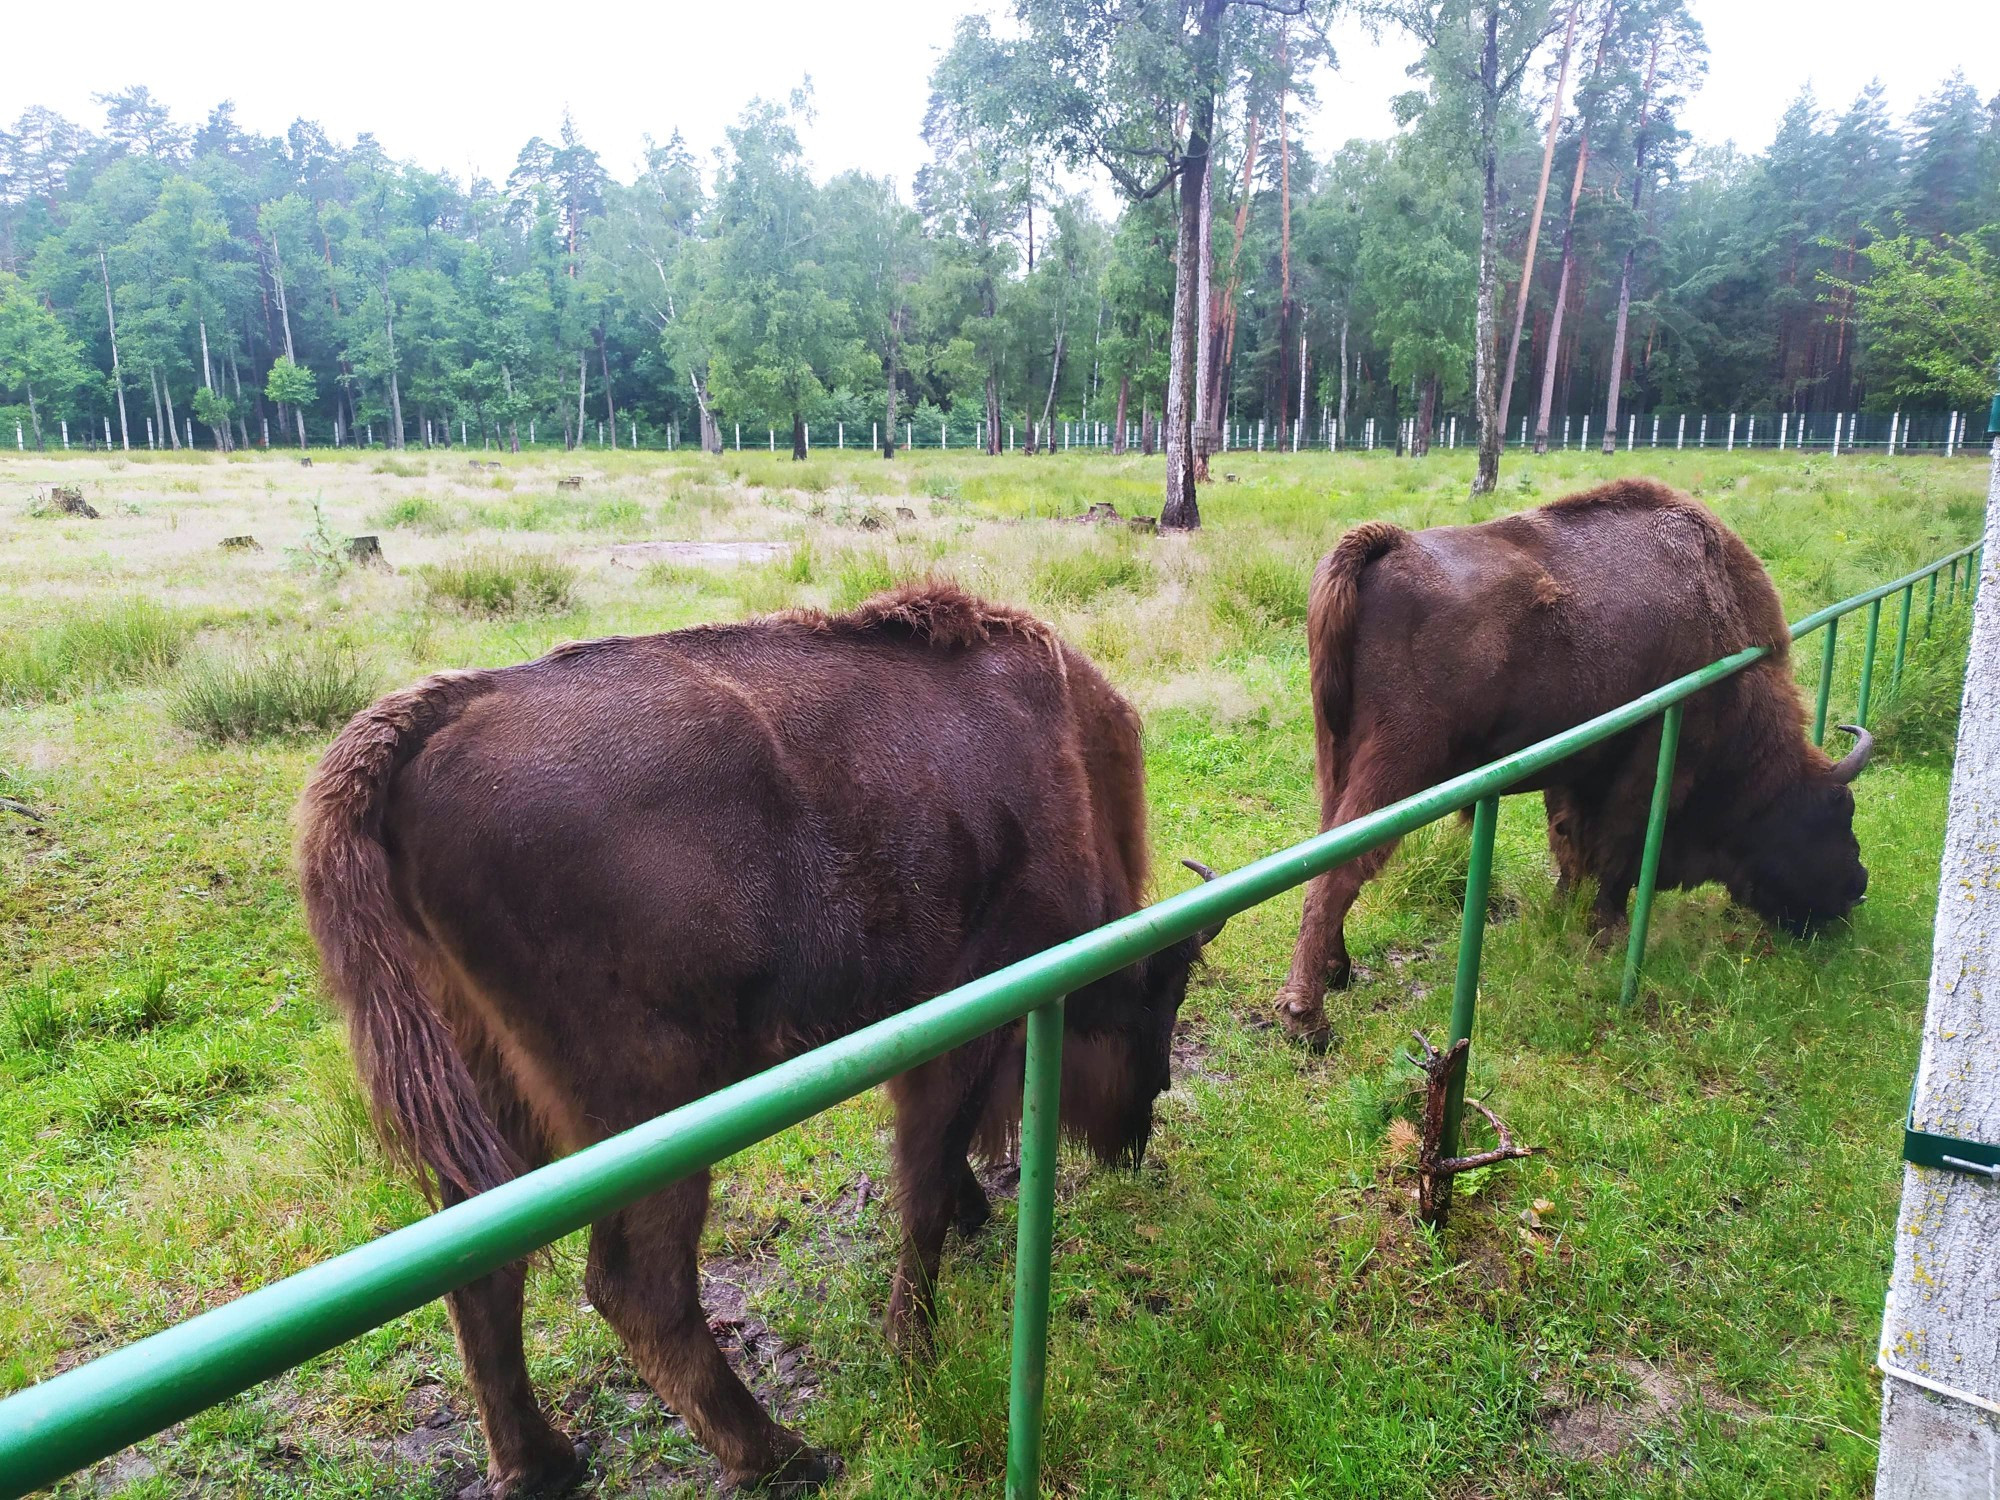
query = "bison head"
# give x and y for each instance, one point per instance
(1800, 864)
(1118, 1047)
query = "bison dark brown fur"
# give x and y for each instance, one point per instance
(1434, 652)
(559, 899)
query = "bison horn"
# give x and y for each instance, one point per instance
(1856, 760)
(1208, 934)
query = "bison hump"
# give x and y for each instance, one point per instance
(936, 612)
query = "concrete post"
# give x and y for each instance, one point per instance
(1940, 1350)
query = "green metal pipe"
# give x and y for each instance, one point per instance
(1951, 592)
(1825, 679)
(1034, 1238)
(1649, 860)
(1930, 606)
(1868, 662)
(1902, 637)
(1471, 943)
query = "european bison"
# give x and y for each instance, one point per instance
(1434, 652)
(561, 898)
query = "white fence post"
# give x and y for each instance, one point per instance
(771, 438)
(1730, 446)
(1701, 440)
(1751, 440)
(1940, 1347)
(1631, 430)
(1656, 429)
(1565, 441)
(1584, 443)
(840, 436)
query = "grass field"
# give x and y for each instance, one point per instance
(1679, 1296)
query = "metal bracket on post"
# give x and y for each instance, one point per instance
(1944, 1152)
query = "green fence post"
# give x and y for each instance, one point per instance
(1951, 593)
(1868, 662)
(1041, 1098)
(1649, 861)
(1465, 989)
(1930, 605)
(1825, 679)
(1902, 635)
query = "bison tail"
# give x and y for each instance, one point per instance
(1330, 617)
(426, 1105)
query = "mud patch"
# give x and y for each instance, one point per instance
(1609, 1427)
(697, 554)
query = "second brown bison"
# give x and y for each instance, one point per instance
(1434, 652)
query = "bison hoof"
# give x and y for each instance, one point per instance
(803, 1472)
(972, 1213)
(1608, 933)
(1305, 1022)
(556, 1474)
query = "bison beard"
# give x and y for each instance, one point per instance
(559, 899)
(1434, 652)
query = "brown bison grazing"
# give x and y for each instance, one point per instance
(561, 898)
(1434, 652)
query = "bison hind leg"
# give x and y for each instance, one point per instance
(525, 1454)
(643, 1276)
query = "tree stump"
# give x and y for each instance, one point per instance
(904, 513)
(366, 551)
(67, 500)
(1102, 510)
(1148, 524)
(570, 482)
(241, 544)
(305, 463)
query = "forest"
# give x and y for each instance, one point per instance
(167, 282)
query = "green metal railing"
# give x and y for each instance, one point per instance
(88, 1413)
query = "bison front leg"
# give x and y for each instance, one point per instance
(938, 1107)
(643, 1275)
(525, 1454)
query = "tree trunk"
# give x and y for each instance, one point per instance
(117, 379)
(1420, 433)
(1049, 401)
(798, 438)
(582, 381)
(1549, 355)
(221, 433)
(236, 384)
(1486, 380)
(34, 413)
(1535, 222)
(1145, 429)
(610, 408)
(513, 422)
(1625, 276)
(1222, 333)
(1118, 444)
(1179, 512)
(889, 405)
(1204, 372)
(992, 410)
(1286, 312)
(1340, 418)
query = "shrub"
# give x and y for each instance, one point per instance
(1076, 578)
(125, 641)
(493, 581)
(250, 694)
(398, 468)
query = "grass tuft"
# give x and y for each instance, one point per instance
(257, 694)
(123, 641)
(1261, 592)
(1076, 578)
(492, 581)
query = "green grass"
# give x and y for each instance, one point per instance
(271, 692)
(1253, 1313)
(493, 581)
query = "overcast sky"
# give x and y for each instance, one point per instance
(461, 87)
